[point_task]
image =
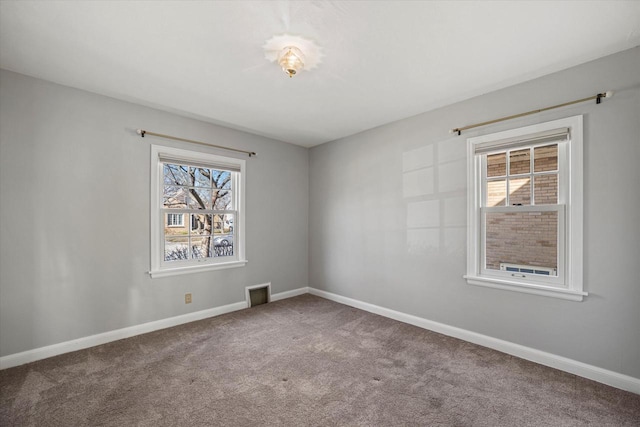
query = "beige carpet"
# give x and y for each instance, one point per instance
(298, 362)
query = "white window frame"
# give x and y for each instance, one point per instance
(160, 268)
(568, 284)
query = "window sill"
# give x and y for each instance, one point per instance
(547, 291)
(196, 269)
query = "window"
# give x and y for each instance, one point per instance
(197, 214)
(525, 209)
(175, 220)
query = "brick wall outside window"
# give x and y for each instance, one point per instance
(527, 238)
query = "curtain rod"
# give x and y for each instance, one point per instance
(143, 132)
(598, 97)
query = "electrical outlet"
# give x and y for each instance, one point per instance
(187, 298)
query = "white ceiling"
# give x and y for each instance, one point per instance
(382, 60)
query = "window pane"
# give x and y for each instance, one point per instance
(174, 197)
(222, 200)
(545, 158)
(223, 235)
(176, 248)
(199, 198)
(201, 247)
(545, 189)
(176, 174)
(526, 241)
(200, 177)
(201, 224)
(497, 193)
(221, 179)
(497, 164)
(520, 191)
(223, 224)
(520, 161)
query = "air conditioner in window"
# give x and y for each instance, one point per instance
(531, 269)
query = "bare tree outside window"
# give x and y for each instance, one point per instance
(204, 197)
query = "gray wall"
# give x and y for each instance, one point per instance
(388, 218)
(74, 216)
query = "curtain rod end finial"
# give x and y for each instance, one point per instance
(608, 94)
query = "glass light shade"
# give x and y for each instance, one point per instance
(291, 60)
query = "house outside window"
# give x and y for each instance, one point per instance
(525, 209)
(197, 211)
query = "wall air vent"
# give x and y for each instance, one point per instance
(258, 294)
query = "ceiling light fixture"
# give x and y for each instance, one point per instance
(291, 59)
(286, 51)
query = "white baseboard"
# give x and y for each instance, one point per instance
(28, 356)
(289, 294)
(591, 372)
